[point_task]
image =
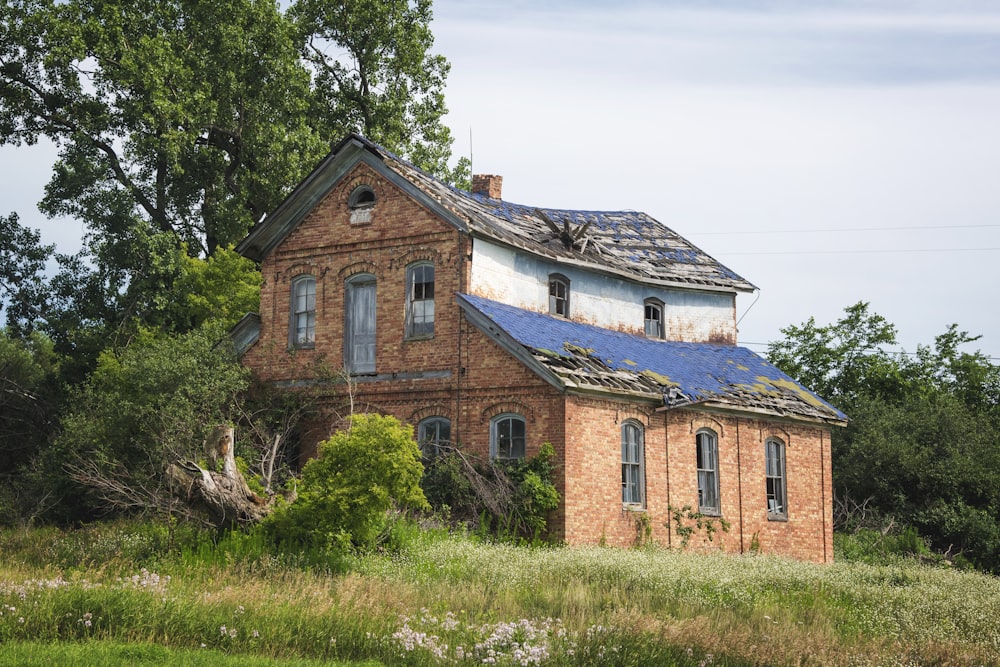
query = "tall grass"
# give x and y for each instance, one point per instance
(454, 601)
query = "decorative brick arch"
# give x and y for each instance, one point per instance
(431, 255)
(353, 269)
(770, 431)
(708, 423)
(301, 269)
(626, 412)
(504, 407)
(436, 410)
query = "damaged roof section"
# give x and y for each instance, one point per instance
(585, 357)
(627, 242)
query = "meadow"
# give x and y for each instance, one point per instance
(140, 593)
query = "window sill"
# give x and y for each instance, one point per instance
(296, 348)
(420, 337)
(710, 512)
(631, 507)
(780, 518)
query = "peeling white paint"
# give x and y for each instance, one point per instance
(519, 279)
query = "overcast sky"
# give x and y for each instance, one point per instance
(829, 152)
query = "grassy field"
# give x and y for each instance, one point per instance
(144, 594)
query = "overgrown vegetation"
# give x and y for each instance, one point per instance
(922, 450)
(441, 599)
(511, 499)
(345, 494)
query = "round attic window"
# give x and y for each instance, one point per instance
(361, 197)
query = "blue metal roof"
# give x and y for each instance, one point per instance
(683, 373)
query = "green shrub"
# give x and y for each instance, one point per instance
(346, 492)
(508, 499)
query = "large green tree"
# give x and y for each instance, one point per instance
(179, 123)
(923, 444)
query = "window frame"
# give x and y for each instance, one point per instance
(309, 313)
(557, 280)
(656, 306)
(633, 472)
(708, 477)
(430, 447)
(495, 436)
(362, 197)
(351, 286)
(776, 479)
(424, 328)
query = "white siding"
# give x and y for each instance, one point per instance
(519, 279)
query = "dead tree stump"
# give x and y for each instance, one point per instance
(224, 495)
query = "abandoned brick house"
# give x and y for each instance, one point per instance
(501, 327)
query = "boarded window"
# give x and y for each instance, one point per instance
(359, 325)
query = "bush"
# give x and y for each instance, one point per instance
(346, 493)
(510, 499)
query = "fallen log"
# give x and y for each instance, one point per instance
(224, 495)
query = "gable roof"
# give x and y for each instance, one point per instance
(627, 244)
(587, 358)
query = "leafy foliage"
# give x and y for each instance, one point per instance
(179, 124)
(345, 493)
(30, 397)
(510, 498)
(923, 443)
(143, 408)
(22, 260)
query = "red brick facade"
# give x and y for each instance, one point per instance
(463, 375)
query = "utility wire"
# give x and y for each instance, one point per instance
(848, 252)
(844, 229)
(891, 352)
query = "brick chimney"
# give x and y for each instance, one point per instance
(487, 184)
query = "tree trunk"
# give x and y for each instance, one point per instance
(224, 495)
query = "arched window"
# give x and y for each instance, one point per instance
(361, 203)
(431, 433)
(707, 446)
(558, 295)
(653, 318)
(777, 500)
(633, 473)
(420, 300)
(507, 437)
(302, 323)
(359, 324)
(361, 197)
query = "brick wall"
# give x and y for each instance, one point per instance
(463, 375)
(595, 513)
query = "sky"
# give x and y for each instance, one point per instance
(828, 152)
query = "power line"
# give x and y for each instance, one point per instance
(849, 252)
(891, 352)
(843, 229)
